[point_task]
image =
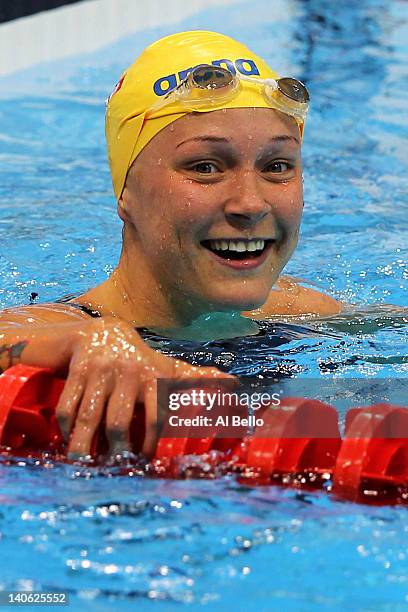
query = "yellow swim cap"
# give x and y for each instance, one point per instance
(160, 68)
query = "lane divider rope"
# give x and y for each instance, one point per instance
(298, 445)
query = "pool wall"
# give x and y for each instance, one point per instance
(86, 26)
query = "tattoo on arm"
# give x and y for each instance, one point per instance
(10, 354)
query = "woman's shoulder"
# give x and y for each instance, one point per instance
(64, 310)
(289, 298)
(41, 313)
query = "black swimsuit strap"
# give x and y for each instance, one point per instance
(143, 331)
(89, 311)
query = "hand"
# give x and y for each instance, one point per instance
(111, 369)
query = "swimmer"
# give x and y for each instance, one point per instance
(206, 170)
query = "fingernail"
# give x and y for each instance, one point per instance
(80, 457)
(119, 448)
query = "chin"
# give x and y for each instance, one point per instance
(240, 302)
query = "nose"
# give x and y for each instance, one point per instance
(247, 204)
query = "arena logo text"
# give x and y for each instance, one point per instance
(167, 83)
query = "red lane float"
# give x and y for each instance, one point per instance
(299, 442)
(373, 457)
(298, 435)
(28, 397)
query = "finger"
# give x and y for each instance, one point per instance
(205, 379)
(150, 402)
(181, 369)
(119, 414)
(68, 402)
(208, 376)
(89, 416)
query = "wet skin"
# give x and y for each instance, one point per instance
(233, 174)
(230, 174)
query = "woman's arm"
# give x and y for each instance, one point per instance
(109, 370)
(28, 333)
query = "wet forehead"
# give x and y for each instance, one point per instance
(236, 126)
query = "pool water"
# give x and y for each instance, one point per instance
(133, 541)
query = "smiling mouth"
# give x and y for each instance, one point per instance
(237, 249)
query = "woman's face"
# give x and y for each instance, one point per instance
(213, 205)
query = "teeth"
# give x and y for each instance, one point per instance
(237, 245)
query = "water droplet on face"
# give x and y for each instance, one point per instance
(171, 127)
(159, 161)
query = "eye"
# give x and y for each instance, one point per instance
(204, 167)
(279, 167)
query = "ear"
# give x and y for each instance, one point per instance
(123, 205)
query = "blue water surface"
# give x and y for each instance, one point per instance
(127, 541)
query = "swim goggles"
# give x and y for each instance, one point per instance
(214, 86)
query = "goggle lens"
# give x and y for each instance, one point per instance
(293, 89)
(206, 77)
